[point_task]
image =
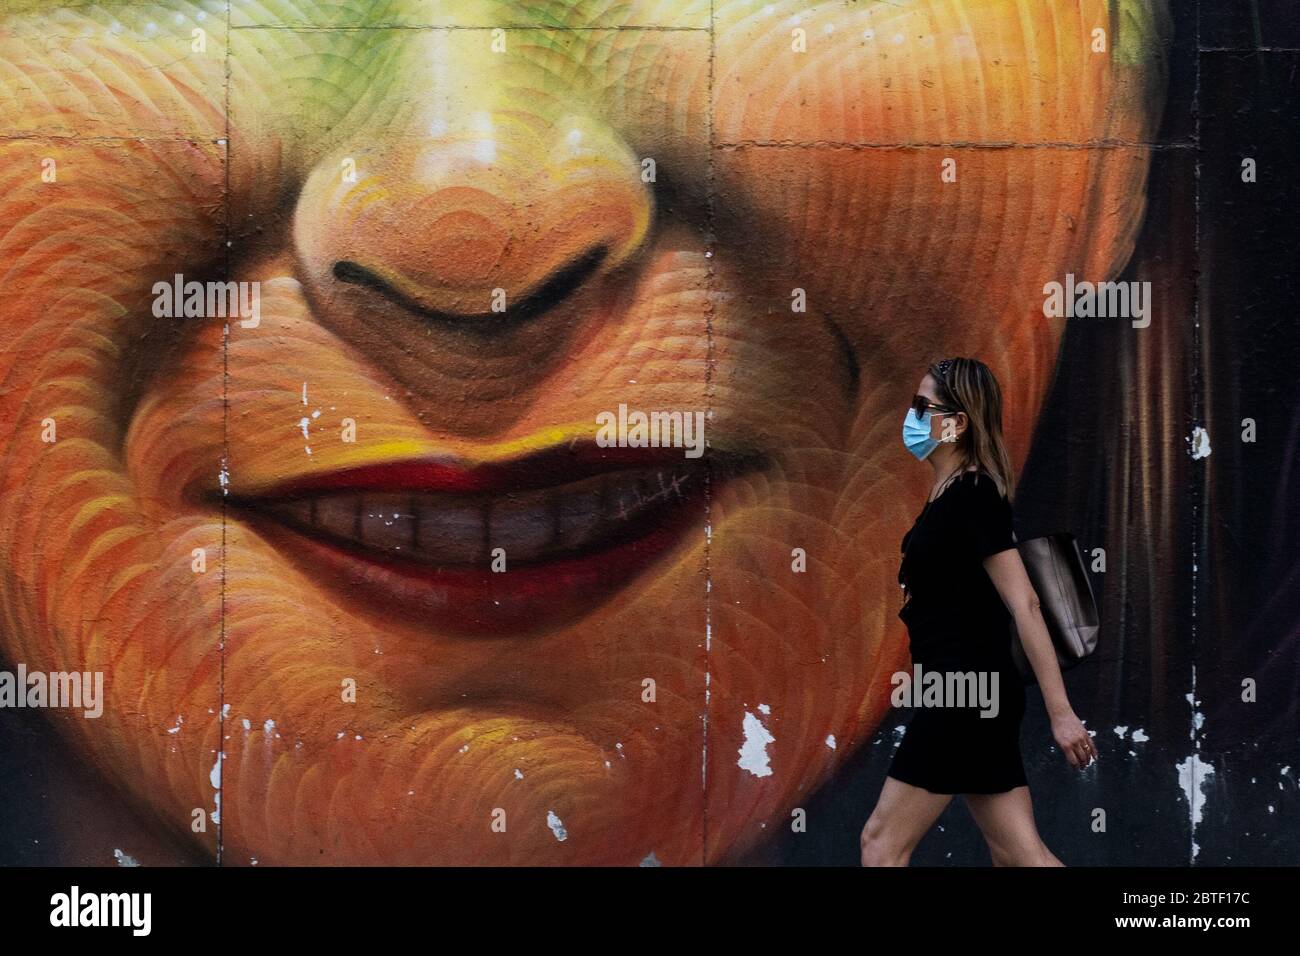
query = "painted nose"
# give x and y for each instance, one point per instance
(480, 228)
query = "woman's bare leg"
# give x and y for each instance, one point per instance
(902, 816)
(1007, 822)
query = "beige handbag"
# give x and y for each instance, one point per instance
(1060, 579)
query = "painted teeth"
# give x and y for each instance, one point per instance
(530, 526)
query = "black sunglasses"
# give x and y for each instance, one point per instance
(921, 405)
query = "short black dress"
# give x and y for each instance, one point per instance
(957, 621)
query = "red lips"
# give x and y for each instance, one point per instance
(499, 548)
(556, 464)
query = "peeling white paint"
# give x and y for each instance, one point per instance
(1120, 732)
(215, 779)
(650, 860)
(557, 827)
(753, 752)
(1139, 737)
(1194, 773)
(830, 741)
(179, 720)
(1197, 717)
(1200, 443)
(124, 860)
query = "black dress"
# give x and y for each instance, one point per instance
(957, 621)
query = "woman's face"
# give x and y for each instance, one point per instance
(929, 390)
(472, 633)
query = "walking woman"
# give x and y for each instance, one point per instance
(963, 581)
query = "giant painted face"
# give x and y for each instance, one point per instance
(475, 230)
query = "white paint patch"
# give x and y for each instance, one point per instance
(179, 720)
(1194, 773)
(650, 860)
(124, 860)
(215, 779)
(268, 728)
(1200, 443)
(557, 827)
(1139, 737)
(753, 752)
(1120, 732)
(830, 741)
(764, 709)
(248, 724)
(519, 774)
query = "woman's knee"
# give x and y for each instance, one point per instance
(879, 848)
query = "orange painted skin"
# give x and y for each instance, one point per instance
(480, 170)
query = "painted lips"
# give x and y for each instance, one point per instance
(498, 548)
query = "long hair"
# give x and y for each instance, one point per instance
(968, 385)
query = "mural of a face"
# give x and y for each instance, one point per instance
(775, 218)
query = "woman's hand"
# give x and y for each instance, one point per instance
(1074, 741)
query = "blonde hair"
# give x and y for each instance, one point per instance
(968, 385)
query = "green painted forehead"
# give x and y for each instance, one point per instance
(362, 13)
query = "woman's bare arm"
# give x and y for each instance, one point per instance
(1007, 572)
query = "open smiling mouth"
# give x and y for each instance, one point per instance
(498, 548)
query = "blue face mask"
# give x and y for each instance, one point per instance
(916, 435)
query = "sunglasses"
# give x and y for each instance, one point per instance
(921, 405)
